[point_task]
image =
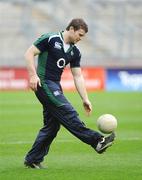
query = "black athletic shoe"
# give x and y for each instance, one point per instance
(105, 143)
(33, 165)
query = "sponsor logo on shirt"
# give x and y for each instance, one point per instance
(61, 63)
(58, 45)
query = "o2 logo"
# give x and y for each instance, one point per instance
(61, 63)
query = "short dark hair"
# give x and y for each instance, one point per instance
(77, 24)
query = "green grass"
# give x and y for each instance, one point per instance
(69, 158)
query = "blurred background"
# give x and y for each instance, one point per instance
(111, 65)
(113, 44)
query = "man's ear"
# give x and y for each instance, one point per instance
(71, 28)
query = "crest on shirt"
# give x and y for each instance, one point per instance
(58, 45)
(72, 53)
(56, 93)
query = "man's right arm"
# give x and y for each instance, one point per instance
(30, 61)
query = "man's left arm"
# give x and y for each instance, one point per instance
(80, 86)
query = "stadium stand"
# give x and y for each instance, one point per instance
(115, 29)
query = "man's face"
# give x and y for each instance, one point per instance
(76, 36)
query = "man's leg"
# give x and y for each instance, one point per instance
(68, 117)
(65, 114)
(45, 137)
(50, 95)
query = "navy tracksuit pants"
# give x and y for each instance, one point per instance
(57, 111)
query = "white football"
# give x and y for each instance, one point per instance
(107, 123)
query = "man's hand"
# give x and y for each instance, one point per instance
(34, 82)
(87, 106)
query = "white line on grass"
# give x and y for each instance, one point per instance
(67, 140)
(30, 142)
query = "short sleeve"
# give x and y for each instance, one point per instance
(76, 60)
(42, 42)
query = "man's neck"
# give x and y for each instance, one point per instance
(66, 37)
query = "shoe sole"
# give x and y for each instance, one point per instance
(100, 151)
(33, 166)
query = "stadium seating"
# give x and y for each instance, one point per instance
(115, 29)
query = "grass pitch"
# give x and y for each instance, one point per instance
(69, 158)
